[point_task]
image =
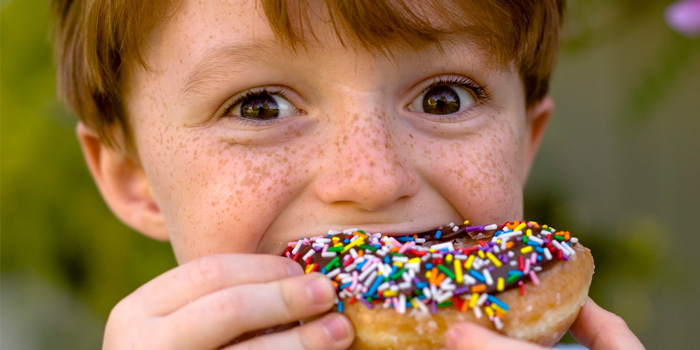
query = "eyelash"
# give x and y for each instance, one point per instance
(226, 112)
(480, 91)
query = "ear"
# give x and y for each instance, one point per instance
(123, 184)
(537, 118)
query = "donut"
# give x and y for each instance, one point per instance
(521, 279)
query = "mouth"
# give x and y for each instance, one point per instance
(395, 230)
(447, 237)
(446, 232)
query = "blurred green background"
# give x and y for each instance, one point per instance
(619, 167)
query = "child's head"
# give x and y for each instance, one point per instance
(236, 126)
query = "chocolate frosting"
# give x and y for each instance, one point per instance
(447, 265)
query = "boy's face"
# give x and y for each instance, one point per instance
(354, 141)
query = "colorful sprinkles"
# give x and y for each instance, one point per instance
(400, 273)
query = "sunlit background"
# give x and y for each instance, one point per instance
(619, 167)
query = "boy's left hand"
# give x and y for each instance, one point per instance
(595, 328)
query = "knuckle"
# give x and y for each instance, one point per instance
(123, 312)
(616, 322)
(226, 306)
(303, 338)
(206, 271)
(289, 303)
(306, 342)
(119, 325)
(313, 337)
(118, 309)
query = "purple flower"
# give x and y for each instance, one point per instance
(684, 17)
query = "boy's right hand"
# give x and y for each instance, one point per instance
(206, 303)
(595, 328)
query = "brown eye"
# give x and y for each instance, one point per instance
(263, 106)
(442, 99)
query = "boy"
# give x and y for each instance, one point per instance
(232, 127)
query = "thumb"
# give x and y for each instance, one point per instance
(597, 328)
(462, 336)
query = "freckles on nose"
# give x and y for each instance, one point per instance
(368, 168)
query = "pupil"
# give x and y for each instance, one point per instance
(261, 107)
(441, 100)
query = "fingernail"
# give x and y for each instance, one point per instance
(320, 290)
(337, 327)
(294, 269)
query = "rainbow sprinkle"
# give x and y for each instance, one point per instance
(400, 273)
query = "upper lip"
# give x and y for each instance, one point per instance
(394, 230)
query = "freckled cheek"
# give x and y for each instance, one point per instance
(223, 198)
(480, 176)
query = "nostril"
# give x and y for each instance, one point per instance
(370, 187)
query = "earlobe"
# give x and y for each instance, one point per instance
(123, 185)
(537, 118)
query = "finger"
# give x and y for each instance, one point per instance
(462, 336)
(177, 287)
(332, 331)
(226, 314)
(597, 328)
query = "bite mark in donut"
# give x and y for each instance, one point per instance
(451, 274)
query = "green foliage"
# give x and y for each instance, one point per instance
(595, 23)
(59, 237)
(54, 224)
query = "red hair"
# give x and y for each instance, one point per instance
(96, 41)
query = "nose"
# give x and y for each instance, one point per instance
(367, 166)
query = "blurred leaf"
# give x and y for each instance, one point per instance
(675, 57)
(53, 220)
(595, 23)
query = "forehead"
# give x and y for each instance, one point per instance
(203, 42)
(393, 25)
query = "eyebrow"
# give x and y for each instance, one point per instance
(217, 64)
